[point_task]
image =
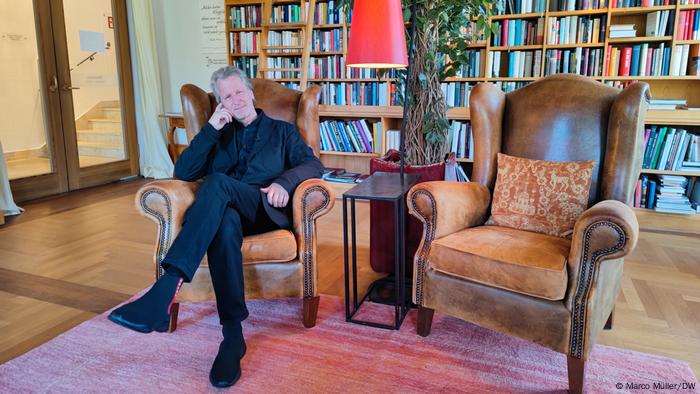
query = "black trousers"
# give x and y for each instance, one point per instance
(224, 210)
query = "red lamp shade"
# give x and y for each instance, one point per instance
(377, 37)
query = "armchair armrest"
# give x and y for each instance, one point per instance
(165, 202)
(444, 208)
(312, 199)
(603, 234)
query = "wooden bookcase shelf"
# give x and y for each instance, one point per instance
(671, 87)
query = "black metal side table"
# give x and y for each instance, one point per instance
(383, 186)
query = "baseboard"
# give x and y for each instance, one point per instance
(42, 151)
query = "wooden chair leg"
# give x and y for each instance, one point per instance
(609, 323)
(425, 321)
(310, 311)
(174, 309)
(576, 368)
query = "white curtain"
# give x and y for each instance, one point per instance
(7, 204)
(153, 143)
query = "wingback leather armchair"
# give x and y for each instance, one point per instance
(477, 272)
(279, 263)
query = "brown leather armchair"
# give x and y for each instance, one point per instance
(477, 273)
(279, 263)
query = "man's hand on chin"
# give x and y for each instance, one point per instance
(276, 195)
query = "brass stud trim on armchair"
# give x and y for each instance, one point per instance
(163, 226)
(428, 236)
(587, 271)
(307, 259)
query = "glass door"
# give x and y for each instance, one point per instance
(31, 131)
(84, 98)
(94, 78)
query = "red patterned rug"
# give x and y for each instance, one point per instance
(335, 356)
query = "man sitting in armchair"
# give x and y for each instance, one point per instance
(251, 165)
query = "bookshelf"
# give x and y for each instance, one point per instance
(545, 50)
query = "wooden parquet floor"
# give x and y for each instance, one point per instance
(70, 257)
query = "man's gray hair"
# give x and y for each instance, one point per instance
(225, 72)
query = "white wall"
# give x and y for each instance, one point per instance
(21, 105)
(180, 54)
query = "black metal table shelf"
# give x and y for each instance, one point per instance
(380, 186)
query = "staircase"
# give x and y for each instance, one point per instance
(100, 132)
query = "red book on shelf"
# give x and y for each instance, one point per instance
(646, 3)
(504, 36)
(625, 61)
(690, 22)
(650, 56)
(680, 32)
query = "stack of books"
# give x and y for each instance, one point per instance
(623, 31)
(341, 176)
(671, 196)
(667, 104)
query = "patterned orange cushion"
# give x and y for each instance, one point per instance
(540, 196)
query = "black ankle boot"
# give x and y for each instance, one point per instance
(152, 310)
(226, 369)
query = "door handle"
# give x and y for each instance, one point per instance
(68, 88)
(53, 87)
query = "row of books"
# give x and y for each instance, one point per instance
(327, 40)
(574, 5)
(519, 7)
(659, 23)
(245, 16)
(670, 148)
(287, 13)
(471, 69)
(291, 85)
(328, 12)
(326, 67)
(243, 42)
(640, 3)
(512, 32)
(638, 60)
(291, 67)
(582, 61)
(350, 136)
(688, 25)
(456, 93)
(358, 93)
(287, 38)
(576, 30)
(460, 139)
(686, 2)
(393, 140)
(519, 64)
(509, 86)
(685, 60)
(668, 194)
(249, 65)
